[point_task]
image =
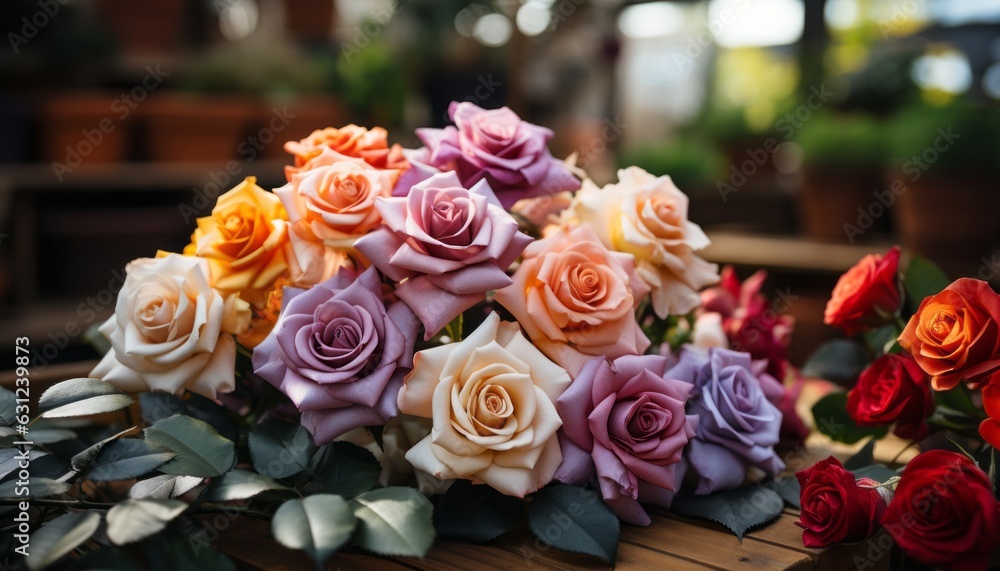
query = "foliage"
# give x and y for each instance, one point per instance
(832, 140)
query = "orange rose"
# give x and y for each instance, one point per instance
(955, 335)
(245, 241)
(576, 299)
(369, 145)
(264, 316)
(865, 294)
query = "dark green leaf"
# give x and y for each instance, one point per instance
(82, 460)
(172, 551)
(128, 458)
(8, 406)
(156, 406)
(739, 510)
(131, 520)
(837, 360)
(280, 449)
(240, 485)
(394, 521)
(476, 512)
(207, 410)
(831, 418)
(82, 397)
(51, 435)
(922, 278)
(878, 472)
(864, 457)
(163, 487)
(574, 519)
(789, 490)
(882, 340)
(37, 487)
(318, 525)
(200, 450)
(11, 457)
(61, 536)
(344, 469)
(959, 400)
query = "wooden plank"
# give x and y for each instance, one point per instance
(872, 554)
(452, 556)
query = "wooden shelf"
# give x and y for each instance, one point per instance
(786, 252)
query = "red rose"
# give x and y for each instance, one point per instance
(835, 508)
(955, 334)
(893, 389)
(865, 294)
(990, 428)
(944, 513)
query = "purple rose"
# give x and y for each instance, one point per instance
(445, 245)
(339, 353)
(497, 146)
(738, 426)
(626, 419)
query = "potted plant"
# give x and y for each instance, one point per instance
(694, 165)
(842, 172)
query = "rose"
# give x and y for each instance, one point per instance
(369, 145)
(446, 247)
(892, 389)
(954, 336)
(576, 299)
(646, 216)
(835, 508)
(989, 429)
(544, 212)
(339, 353)
(708, 331)
(264, 316)
(245, 241)
(498, 147)
(944, 513)
(866, 294)
(738, 426)
(171, 331)
(492, 399)
(627, 421)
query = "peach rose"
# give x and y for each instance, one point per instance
(646, 216)
(245, 241)
(576, 299)
(866, 295)
(492, 399)
(369, 145)
(171, 330)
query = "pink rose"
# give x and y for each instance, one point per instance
(627, 420)
(446, 244)
(576, 299)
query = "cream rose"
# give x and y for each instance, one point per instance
(492, 401)
(646, 216)
(171, 331)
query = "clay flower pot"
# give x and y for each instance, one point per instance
(190, 128)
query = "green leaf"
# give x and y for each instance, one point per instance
(51, 435)
(8, 407)
(831, 418)
(37, 488)
(789, 490)
(959, 400)
(394, 521)
(82, 397)
(838, 360)
(318, 525)
(240, 485)
(171, 550)
(201, 451)
(163, 487)
(922, 279)
(476, 512)
(344, 469)
(61, 536)
(81, 461)
(131, 520)
(156, 406)
(739, 510)
(994, 475)
(10, 458)
(585, 523)
(280, 449)
(878, 472)
(882, 340)
(864, 457)
(128, 458)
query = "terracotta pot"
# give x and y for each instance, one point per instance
(188, 128)
(150, 26)
(829, 200)
(281, 120)
(83, 128)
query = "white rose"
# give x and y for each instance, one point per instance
(646, 216)
(492, 401)
(171, 331)
(708, 331)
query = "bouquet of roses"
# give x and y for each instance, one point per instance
(929, 369)
(473, 320)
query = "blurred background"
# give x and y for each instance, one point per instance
(806, 133)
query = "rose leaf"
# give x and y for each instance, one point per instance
(922, 278)
(126, 459)
(831, 418)
(318, 525)
(280, 449)
(394, 521)
(131, 520)
(61, 536)
(586, 524)
(838, 360)
(200, 450)
(476, 512)
(82, 397)
(344, 469)
(739, 510)
(240, 485)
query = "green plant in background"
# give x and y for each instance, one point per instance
(835, 140)
(964, 138)
(373, 84)
(691, 163)
(264, 69)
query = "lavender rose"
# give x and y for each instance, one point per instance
(738, 426)
(447, 246)
(339, 353)
(627, 420)
(497, 146)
